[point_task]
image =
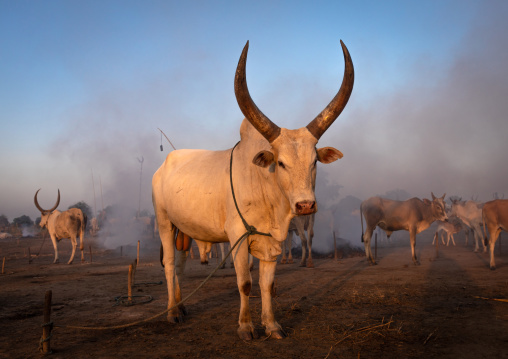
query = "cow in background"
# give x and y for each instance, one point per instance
(60, 225)
(470, 212)
(412, 215)
(495, 220)
(299, 225)
(453, 226)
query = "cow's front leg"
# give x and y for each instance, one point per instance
(412, 238)
(246, 329)
(266, 283)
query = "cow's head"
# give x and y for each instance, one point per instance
(438, 208)
(293, 154)
(45, 213)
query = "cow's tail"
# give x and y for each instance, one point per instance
(486, 238)
(82, 232)
(361, 219)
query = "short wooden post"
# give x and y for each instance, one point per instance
(90, 247)
(3, 265)
(45, 346)
(121, 251)
(29, 256)
(375, 246)
(137, 258)
(129, 283)
(336, 256)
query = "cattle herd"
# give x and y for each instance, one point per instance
(263, 189)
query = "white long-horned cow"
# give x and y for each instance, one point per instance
(60, 225)
(495, 218)
(412, 215)
(273, 176)
(299, 225)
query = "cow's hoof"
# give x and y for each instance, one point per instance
(247, 333)
(290, 261)
(276, 332)
(183, 310)
(492, 267)
(282, 261)
(223, 266)
(310, 265)
(417, 263)
(175, 318)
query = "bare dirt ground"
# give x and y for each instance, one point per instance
(339, 309)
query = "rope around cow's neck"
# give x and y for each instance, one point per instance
(250, 230)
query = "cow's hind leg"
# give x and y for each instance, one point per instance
(267, 285)
(74, 245)
(366, 241)
(310, 232)
(494, 234)
(305, 247)
(167, 234)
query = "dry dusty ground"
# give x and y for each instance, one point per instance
(339, 309)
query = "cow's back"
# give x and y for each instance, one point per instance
(191, 187)
(496, 211)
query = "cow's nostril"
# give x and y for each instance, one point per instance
(305, 207)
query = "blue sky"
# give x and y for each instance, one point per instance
(84, 85)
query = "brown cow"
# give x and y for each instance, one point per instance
(67, 224)
(413, 215)
(495, 218)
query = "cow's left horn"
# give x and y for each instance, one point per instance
(267, 128)
(46, 210)
(320, 124)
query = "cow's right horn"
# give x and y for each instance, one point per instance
(46, 210)
(267, 128)
(320, 124)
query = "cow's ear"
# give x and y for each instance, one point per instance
(328, 154)
(426, 201)
(263, 159)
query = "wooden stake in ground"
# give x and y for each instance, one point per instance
(137, 257)
(29, 256)
(121, 251)
(129, 283)
(45, 345)
(3, 265)
(90, 246)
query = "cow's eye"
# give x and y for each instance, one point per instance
(281, 165)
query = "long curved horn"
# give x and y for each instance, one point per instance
(267, 128)
(46, 210)
(320, 124)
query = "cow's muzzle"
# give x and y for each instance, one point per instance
(306, 207)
